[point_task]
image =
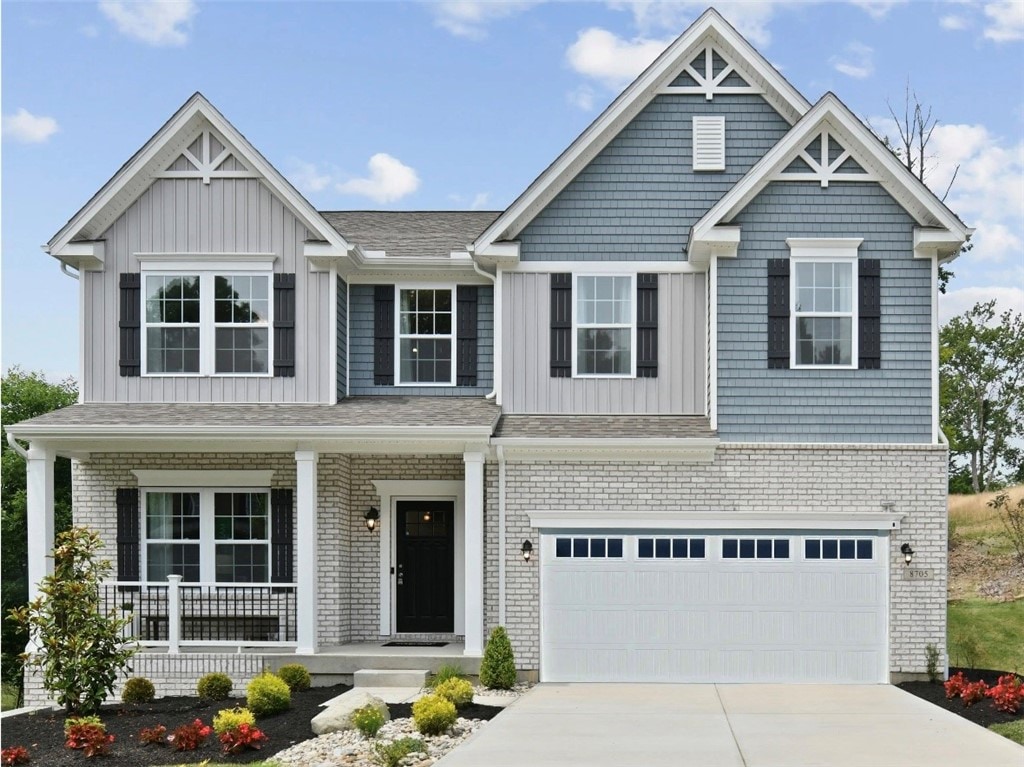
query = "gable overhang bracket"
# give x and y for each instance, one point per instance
(500, 255)
(322, 256)
(717, 241)
(83, 255)
(931, 242)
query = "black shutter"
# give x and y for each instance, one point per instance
(130, 324)
(647, 326)
(281, 536)
(128, 523)
(284, 325)
(466, 335)
(869, 313)
(561, 325)
(384, 335)
(778, 313)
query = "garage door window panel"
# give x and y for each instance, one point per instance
(588, 548)
(838, 548)
(670, 548)
(755, 548)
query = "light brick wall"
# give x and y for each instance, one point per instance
(814, 480)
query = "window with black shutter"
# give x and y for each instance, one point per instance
(384, 335)
(647, 326)
(281, 536)
(561, 325)
(466, 334)
(130, 324)
(128, 537)
(284, 325)
(869, 311)
(778, 313)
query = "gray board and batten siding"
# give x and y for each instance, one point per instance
(889, 405)
(361, 349)
(637, 199)
(527, 384)
(189, 217)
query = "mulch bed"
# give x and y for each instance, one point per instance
(983, 712)
(42, 732)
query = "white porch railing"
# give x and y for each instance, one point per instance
(173, 614)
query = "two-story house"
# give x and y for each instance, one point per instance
(670, 416)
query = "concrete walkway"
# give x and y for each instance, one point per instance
(730, 726)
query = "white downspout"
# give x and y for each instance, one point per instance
(17, 448)
(494, 322)
(64, 268)
(501, 535)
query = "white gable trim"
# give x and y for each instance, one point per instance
(151, 161)
(630, 102)
(945, 231)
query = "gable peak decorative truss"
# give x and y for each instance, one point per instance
(824, 160)
(710, 74)
(207, 157)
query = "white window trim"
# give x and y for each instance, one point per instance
(399, 335)
(824, 250)
(821, 538)
(632, 319)
(206, 542)
(160, 267)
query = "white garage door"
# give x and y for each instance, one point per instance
(716, 607)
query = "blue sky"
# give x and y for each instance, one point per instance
(458, 105)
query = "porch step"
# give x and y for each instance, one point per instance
(389, 678)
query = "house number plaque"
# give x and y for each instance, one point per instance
(918, 574)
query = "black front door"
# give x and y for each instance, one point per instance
(425, 568)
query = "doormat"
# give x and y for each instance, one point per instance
(415, 644)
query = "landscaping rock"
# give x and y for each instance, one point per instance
(338, 716)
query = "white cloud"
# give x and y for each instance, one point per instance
(28, 128)
(470, 18)
(389, 180)
(90, 30)
(155, 22)
(857, 61)
(609, 59)
(582, 97)
(1006, 20)
(954, 23)
(877, 9)
(958, 301)
(480, 200)
(308, 178)
(750, 18)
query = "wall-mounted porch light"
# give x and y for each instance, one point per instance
(372, 517)
(908, 553)
(527, 549)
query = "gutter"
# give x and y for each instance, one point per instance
(495, 321)
(15, 446)
(473, 433)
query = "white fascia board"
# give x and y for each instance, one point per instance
(628, 104)
(84, 255)
(500, 255)
(931, 243)
(579, 519)
(609, 267)
(865, 148)
(689, 450)
(718, 241)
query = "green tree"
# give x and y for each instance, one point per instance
(80, 648)
(981, 374)
(22, 396)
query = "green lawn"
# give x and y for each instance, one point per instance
(1012, 730)
(9, 697)
(987, 634)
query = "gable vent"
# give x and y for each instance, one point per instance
(709, 143)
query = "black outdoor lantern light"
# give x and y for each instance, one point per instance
(908, 553)
(527, 550)
(371, 518)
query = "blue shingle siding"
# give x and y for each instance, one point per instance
(639, 197)
(361, 349)
(889, 405)
(342, 338)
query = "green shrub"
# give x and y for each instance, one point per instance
(231, 719)
(368, 720)
(446, 672)
(931, 653)
(433, 714)
(268, 694)
(214, 687)
(498, 668)
(81, 647)
(73, 721)
(138, 689)
(391, 754)
(295, 676)
(458, 691)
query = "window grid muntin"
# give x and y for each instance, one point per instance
(172, 530)
(207, 326)
(622, 321)
(756, 548)
(589, 547)
(423, 314)
(831, 549)
(208, 541)
(172, 322)
(671, 547)
(848, 318)
(246, 314)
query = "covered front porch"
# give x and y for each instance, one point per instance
(320, 579)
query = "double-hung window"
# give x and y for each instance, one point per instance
(206, 323)
(824, 304)
(426, 323)
(604, 326)
(220, 535)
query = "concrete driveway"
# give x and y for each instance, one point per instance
(741, 725)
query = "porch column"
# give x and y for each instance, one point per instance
(39, 476)
(305, 549)
(474, 556)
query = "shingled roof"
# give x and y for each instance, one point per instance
(411, 234)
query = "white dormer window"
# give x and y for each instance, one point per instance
(604, 322)
(708, 143)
